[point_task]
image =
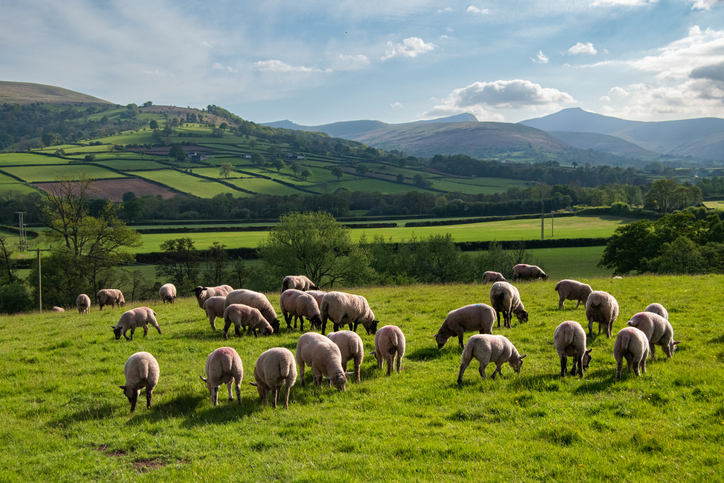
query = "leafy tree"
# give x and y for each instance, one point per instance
(177, 152)
(419, 180)
(297, 168)
(279, 164)
(14, 299)
(258, 160)
(337, 172)
(400, 178)
(153, 124)
(226, 169)
(306, 174)
(90, 158)
(180, 263)
(240, 273)
(223, 126)
(440, 260)
(362, 169)
(50, 138)
(7, 263)
(216, 262)
(253, 143)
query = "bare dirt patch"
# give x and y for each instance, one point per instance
(147, 465)
(113, 189)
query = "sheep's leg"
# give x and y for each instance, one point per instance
(124, 334)
(643, 362)
(350, 325)
(227, 324)
(149, 395)
(212, 321)
(636, 367)
(132, 331)
(629, 361)
(560, 302)
(498, 365)
(652, 349)
(389, 361)
(609, 334)
(578, 302)
(357, 366)
(464, 366)
(134, 400)
(254, 330)
(145, 330)
(578, 361)
(398, 361)
(286, 394)
(275, 395)
(619, 368)
(497, 316)
(301, 370)
(460, 339)
(237, 387)
(301, 323)
(564, 365)
(590, 327)
(228, 388)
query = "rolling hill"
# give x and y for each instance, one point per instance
(28, 93)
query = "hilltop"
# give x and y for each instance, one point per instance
(27, 93)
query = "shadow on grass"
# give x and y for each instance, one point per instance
(596, 381)
(718, 340)
(104, 411)
(427, 353)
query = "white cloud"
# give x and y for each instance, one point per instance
(279, 66)
(351, 62)
(625, 3)
(704, 4)
(477, 11)
(581, 48)
(443, 37)
(540, 58)
(219, 66)
(397, 105)
(410, 47)
(445, 10)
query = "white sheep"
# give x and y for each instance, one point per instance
(110, 296)
(324, 357)
(257, 300)
(247, 317)
(658, 309)
(298, 282)
(505, 298)
(141, 370)
(83, 302)
(633, 345)
(345, 308)
(572, 290)
(389, 347)
(273, 369)
(487, 348)
(480, 317)
(493, 277)
(601, 307)
(658, 331)
(167, 293)
(223, 366)
(298, 304)
(570, 340)
(134, 318)
(523, 271)
(57, 309)
(351, 347)
(318, 295)
(204, 293)
(214, 307)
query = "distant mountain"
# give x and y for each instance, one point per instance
(464, 117)
(576, 119)
(27, 93)
(603, 143)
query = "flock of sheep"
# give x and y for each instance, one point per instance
(328, 356)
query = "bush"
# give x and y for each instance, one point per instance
(14, 298)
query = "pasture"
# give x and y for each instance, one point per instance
(64, 419)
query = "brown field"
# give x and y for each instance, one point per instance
(113, 189)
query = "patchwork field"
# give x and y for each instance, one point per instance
(185, 183)
(39, 174)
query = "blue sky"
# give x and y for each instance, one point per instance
(315, 62)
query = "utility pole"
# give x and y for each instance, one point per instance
(542, 220)
(40, 279)
(552, 235)
(23, 243)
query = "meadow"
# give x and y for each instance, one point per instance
(64, 419)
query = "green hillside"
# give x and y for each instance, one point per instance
(25, 93)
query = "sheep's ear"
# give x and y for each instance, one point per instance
(347, 374)
(677, 342)
(371, 353)
(327, 378)
(252, 383)
(123, 387)
(202, 378)
(522, 357)
(113, 327)
(434, 336)
(588, 351)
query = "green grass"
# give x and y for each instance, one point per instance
(38, 174)
(571, 262)
(25, 158)
(189, 184)
(132, 164)
(64, 419)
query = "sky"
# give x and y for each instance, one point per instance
(316, 62)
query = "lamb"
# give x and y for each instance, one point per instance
(58, 309)
(257, 300)
(478, 317)
(389, 346)
(223, 366)
(167, 292)
(572, 290)
(658, 309)
(570, 340)
(83, 303)
(493, 277)
(298, 304)
(141, 370)
(134, 318)
(601, 307)
(298, 282)
(527, 272)
(632, 344)
(487, 348)
(318, 295)
(345, 308)
(204, 293)
(351, 348)
(110, 296)
(324, 357)
(505, 298)
(244, 316)
(214, 307)
(658, 331)
(273, 369)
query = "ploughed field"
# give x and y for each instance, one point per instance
(64, 419)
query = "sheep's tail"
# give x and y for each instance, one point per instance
(558, 285)
(284, 369)
(468, 352)
(499, 298)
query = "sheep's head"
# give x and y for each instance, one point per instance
(316, 322)
(441, 339)
(268, 329)
(586, 359)
(672, 347)
(198, 290)
(117, 331)
(516, 362)
(372, 328)
(261, 390)
(522, 316)
(338, 380)
(213, 391)
(274, 326)
(132, 396)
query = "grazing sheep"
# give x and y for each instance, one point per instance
(58, 309)
(493, 277)
(658, 309)
(528, 272)
(204, 293)
(389, 346)
(658, 331)
(244, 316)
(257, 300)
(505, 298)
(214, 307)
(324, 357)
(273, 369)
(298, 304)
(632, 344)
(110, 296)
(223, 366)
(318, 295)
(83, 302)
(572, 290)
(601, 307)
(298, 282)
(345, 308)
(134, 318)
(141, 370)
(351, 348)
(473, 317)
(570, 340)
(167, 292)
(487, 348)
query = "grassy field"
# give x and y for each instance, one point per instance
(37, 174)
(183, 182)
(64, 419)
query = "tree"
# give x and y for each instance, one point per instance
(297, 168)
(90, 158)
(216, 261)
(177, 152)
(180, 263)
(223, 126)
(7, 264)
(306, 174)
(362, 169)
(253, 143)
(153, 124)
(49, 138)
(226, 169)
(400, 178)
(419, 180)
(258, 160)
(279, 164)
(337, 172)
(661, 195)
(440, 260)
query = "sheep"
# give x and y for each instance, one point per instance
(257, 300)
(318, 295)
(632, 344)
(493, 277)
(214, 307)
(58, 309)
(478, 317)
(389, 346)
(487, 348)
(572, 290)
(204, 293)
(244, 316)
(223, 366)
(658, 331)
(298, 282)
(298, 304)
(141, 370)
(658, 309)
(601, 307)
(345, 308)
(324, 358)
(525, 272)
(134, 318)
(570, 340)
(167, 293)
(83, 303)
(273, 369)
(110, 296)
(505, 298)
(351, 348)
